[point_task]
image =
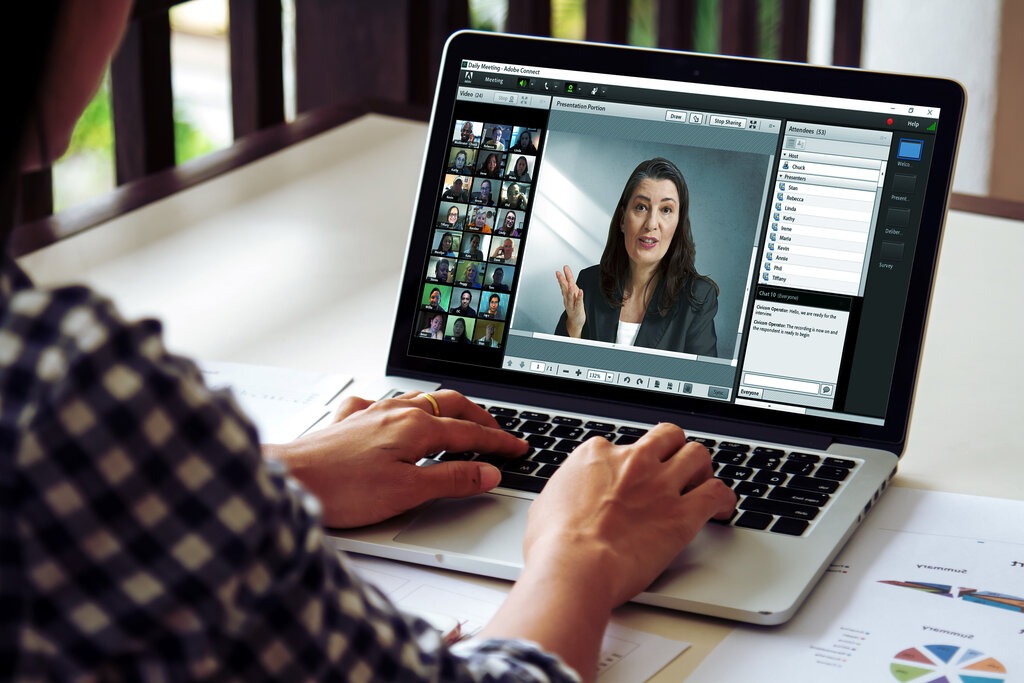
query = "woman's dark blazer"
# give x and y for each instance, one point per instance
(687, 327)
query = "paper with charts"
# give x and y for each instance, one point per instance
(627, 655)
(930, 590)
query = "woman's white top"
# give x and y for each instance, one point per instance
(626, 334)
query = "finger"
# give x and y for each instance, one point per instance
(712, 499)
(456, 479)
(449, 404)
(460, 436)
(568, 275)
(350, 406)
(662, 441)
(690, 466)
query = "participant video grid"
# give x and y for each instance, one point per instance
(478, 232)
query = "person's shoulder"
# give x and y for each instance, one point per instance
(589, 275)
(702, 290)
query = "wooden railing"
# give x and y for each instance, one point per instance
(351, 57)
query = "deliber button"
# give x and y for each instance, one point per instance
(898, 217)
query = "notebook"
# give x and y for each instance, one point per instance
(803, 250)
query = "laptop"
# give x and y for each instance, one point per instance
(816, 200)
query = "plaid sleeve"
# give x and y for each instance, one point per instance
(142, 537)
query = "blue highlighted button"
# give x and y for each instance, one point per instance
(910, 149)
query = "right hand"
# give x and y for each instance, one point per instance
(615, 516)
(572, 299)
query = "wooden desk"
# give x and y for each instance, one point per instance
(294, 260)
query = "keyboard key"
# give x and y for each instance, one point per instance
(530, 415)
(735, 472)
(734, 446)
(789, 495)
(762, 461)
(550, 457)
(764, 450)
(540, 441)
(504, 412)
(571, 421)
(797, 467)
(535, 427)
(769, 477)
(754, 520)
(520, 466)
(600, 426)
(790, 526)
(804, 457)
(522, 482)
(547, 471)
(777, 507)
(703, 440)
(599, 432)
(448, 456)
(626, 439)
(749, 488)
(632, 431)
(729, 457)
(567, 432)
(839, 462)
(833, 473)
(506, 423)
(813, 484)
(566, 445)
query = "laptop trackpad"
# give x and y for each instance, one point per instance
(489, 526)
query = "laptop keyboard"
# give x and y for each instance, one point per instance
(778, 490)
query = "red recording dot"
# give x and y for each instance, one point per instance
(888, 122)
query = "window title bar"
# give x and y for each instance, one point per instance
(526, 71)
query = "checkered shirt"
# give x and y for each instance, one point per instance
(141, 537)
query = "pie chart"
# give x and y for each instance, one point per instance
(946, 664)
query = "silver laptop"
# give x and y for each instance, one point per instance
(816, 203)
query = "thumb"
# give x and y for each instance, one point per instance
(458, 479)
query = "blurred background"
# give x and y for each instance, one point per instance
(971, 42)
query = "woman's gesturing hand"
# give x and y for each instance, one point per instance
(572, 299)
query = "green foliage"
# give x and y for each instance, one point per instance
(189, 141)
(94, 132)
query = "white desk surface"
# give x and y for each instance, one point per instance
(294, 260)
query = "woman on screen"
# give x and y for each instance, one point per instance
(490, 166)
(646, 290)
(520, 170)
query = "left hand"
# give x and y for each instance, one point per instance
(363, 467)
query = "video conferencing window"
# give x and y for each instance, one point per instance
(778, 236)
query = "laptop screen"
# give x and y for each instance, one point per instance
(745, 250)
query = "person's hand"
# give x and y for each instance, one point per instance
(363, 466)
(607, 523)
(617, 515)
(572, 299)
